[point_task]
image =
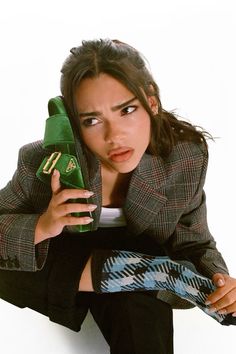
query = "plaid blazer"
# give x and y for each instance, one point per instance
(165, 200)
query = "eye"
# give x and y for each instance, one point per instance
(128, 110)
(88, 122)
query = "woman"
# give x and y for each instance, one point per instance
(144, 171)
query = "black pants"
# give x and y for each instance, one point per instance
(133, 323)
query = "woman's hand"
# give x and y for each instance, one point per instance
(58, 213)
(223, 299)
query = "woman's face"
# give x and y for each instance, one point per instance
(114, 125)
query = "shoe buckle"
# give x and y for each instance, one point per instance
(51, 162)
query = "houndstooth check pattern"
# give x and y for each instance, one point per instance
(132, 271)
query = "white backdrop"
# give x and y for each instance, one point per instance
(190, 46)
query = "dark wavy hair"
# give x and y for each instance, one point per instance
(128, 66)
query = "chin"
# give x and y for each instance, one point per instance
(126, 168)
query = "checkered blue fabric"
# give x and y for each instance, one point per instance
(132, 271)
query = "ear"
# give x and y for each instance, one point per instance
(153, 104)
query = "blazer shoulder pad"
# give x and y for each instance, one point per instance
(32, 153)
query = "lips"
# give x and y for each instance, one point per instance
(120, 154)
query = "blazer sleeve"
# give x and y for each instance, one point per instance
(192, 239)
(18, 220)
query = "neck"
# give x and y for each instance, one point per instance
(114, 187)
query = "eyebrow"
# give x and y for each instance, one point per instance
(115, 108)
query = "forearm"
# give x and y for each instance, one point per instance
(193, 241)
(211, 262)
(203, 253)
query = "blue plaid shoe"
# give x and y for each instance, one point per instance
(132, 271)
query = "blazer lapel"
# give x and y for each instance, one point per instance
(145, 197)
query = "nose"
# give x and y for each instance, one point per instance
(114, 132)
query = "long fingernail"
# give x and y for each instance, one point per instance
(222, 312)
(207, 302)
(212, 309)
(88, 220)
(220, 282)
(92, 207)
(88, 194)
(234, 314)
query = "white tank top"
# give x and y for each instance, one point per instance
(112, 217)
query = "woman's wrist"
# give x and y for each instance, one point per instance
(40, 234)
